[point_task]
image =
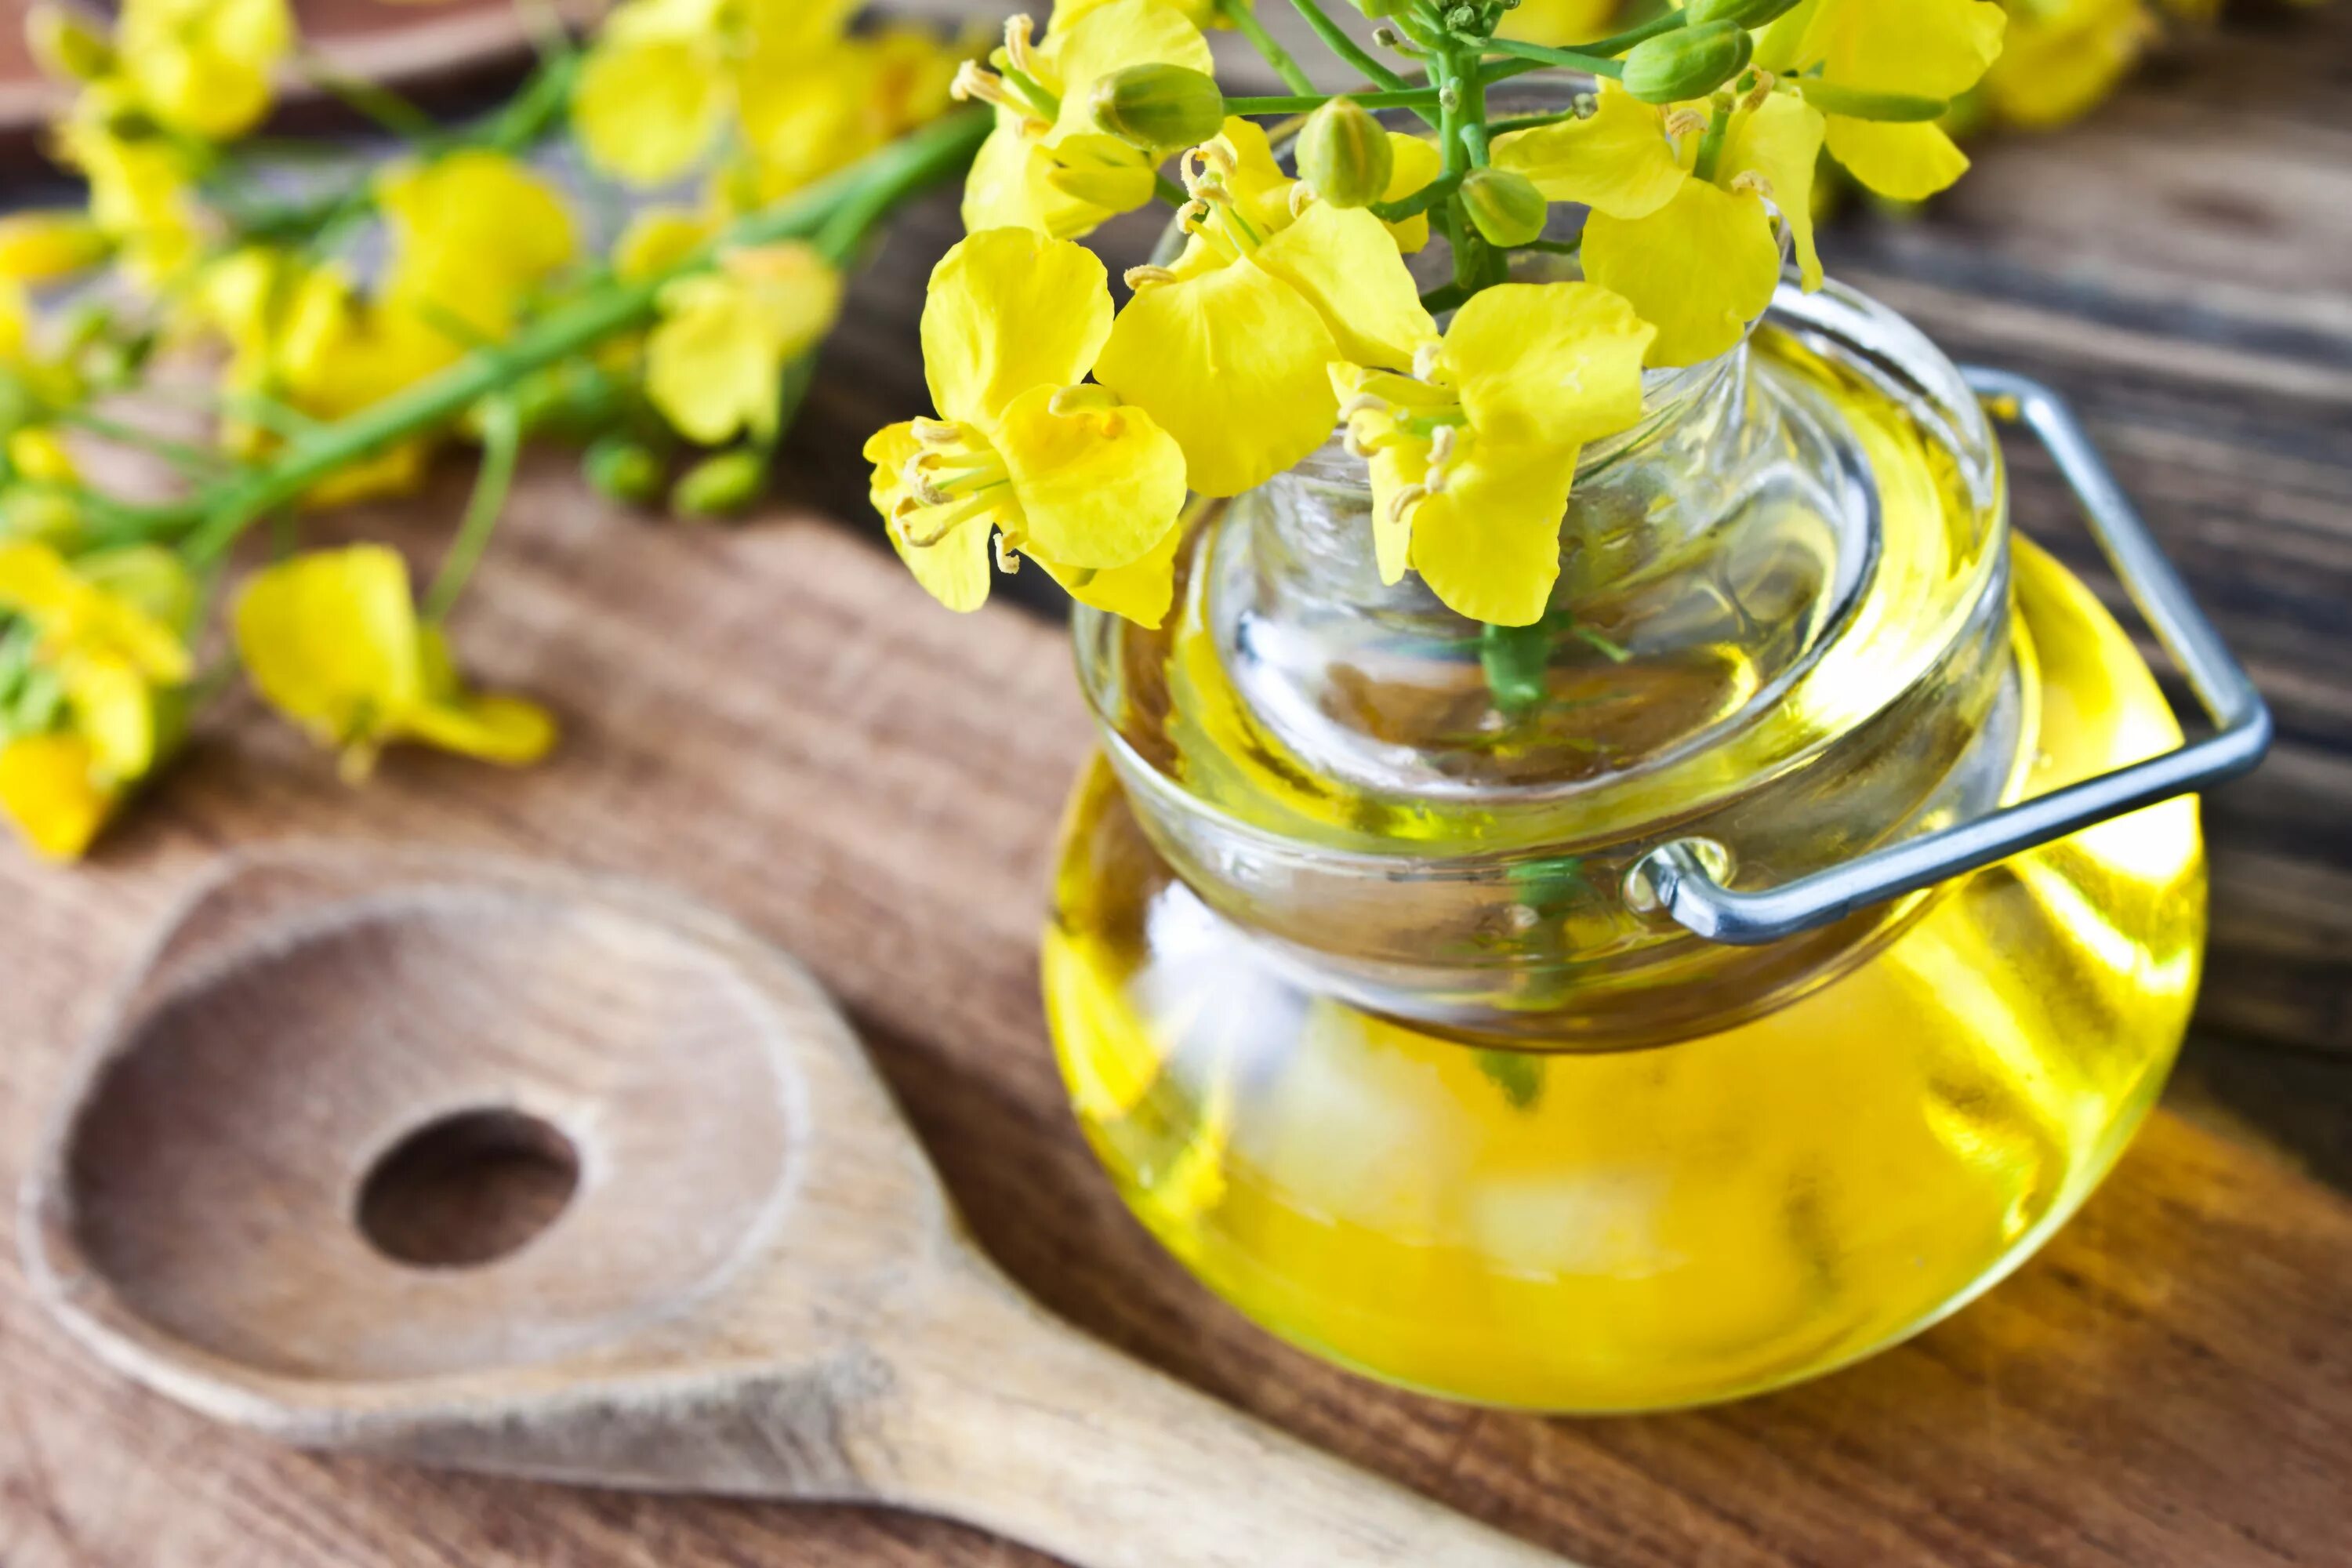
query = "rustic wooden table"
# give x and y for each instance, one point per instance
(775, 719)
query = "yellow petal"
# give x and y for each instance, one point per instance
(472, 233)
(646, 109)
(330, 641)
(1231, 363)
(1700, 269)
(495, 729)
(1009, 310)
(1346, 263)
(1110, 39)
(1260, 189)
(35, 247)
(205, 66)
(1488, 544)
(1010, 186)
(1098, 484)
(1103, 171)
(1781, 139)
(1908, 162)
(40, 455)
(1551, 365)
(714, 362)
(1415, 161)
(2055, 67)
(1620, 162)
(114, 711)
(658, 239)
(953, 566)
(1142, 591)
(1928, 48)
(48, 790)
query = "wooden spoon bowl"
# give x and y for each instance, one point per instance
(505, 1167)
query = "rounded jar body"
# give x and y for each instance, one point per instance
(1360, 1006)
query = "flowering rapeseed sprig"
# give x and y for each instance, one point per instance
(1291, 306)
(352, 328)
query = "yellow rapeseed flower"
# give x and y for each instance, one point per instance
(1852, 50)
(333, 641)
(664, 76)
(2062, 57)
(1473, 454)
(1229, 348)
(203, 67)
(473, 234)
(714, 361)
(1089, 489)
(141, 195)
(106, 628)
(804, 118)
(1698, 258)
(1049, 165)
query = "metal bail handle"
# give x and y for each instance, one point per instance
(1676, 878)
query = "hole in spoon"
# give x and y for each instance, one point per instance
(468, 1189)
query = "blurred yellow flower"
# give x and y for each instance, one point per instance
(1848, 53)
(203, 67)
(714, 362)
(473, 234)
(106, 628)
(1229, 348)
(658, 239)
(141, 197)
(35, 247)
(804, 118)
(663, 75)
(1473, 454)
(305, 337)
(52, 790)
(1697, 257)
(2062, 57)
(1089, 489)
(1049, 165)
(333, 641)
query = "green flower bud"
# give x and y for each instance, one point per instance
(1345, 155)
(723, 485)
(1739, 12)
(1505, 206)
(622, 469)
(1688, 63)
(1159, 106)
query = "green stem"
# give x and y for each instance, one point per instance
(1515, 660)
(1337, 40)
(1420, 202)
(1305, 104)
(870, 187)
(1244, 20)
(1710, 146)
(187, 458)
(386, 108)
(501, 443)
(1168, 191)
(1567, 59)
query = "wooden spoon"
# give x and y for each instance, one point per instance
(755, 1284)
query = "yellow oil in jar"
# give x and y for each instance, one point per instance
(1650, 1227)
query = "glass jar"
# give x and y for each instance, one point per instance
(1370, 992)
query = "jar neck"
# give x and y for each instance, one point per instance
(1703, 555)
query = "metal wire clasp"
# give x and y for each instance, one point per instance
(1676, 878)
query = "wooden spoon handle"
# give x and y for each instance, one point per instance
(1021, 1425)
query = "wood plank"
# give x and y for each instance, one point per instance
(775, 719)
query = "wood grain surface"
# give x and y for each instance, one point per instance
(773, 721)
